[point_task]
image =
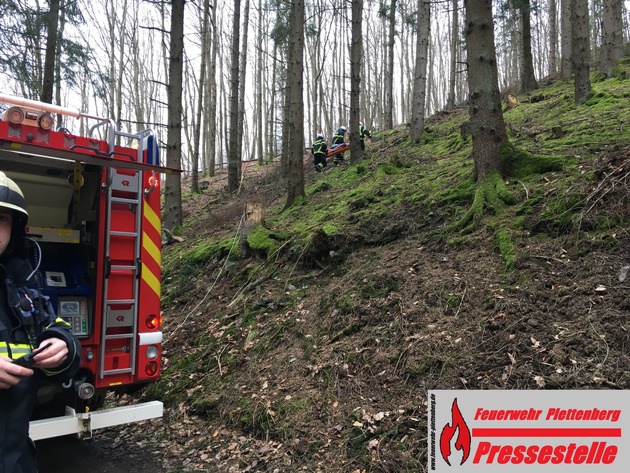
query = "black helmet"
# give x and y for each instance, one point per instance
(11, 197)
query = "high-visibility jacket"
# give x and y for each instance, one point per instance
(363, 132)
(339, 138)
(320, 147)
(26, 319)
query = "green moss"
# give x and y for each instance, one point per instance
(263, 240)
(553, 167)
(505, 244)
(387, 169)
(519, 164)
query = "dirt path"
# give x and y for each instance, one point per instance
(104, 454)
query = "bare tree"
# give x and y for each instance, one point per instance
(51, 49)
(243, 74)
(389, 77)
(565, 39)
(420, 76)
(200, 97)
(580, 51)
(612, 36)
(356, 151)
(450, 101)
(172, 216)
(211, 98)
(295, 174)
(259, 86)
(553, 36)
(234, 156)
(528, 79)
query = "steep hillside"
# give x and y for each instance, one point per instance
(312, 347)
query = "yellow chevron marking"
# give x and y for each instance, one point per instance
(151, 280)
(152, 218)
(151, 248)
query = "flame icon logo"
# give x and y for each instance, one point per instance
(463, 436)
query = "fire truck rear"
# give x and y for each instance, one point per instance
(95, 237)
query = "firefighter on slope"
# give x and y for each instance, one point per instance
(26, 323)
(339, 138)
(320, 149)
(363, 132)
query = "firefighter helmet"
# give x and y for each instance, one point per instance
(342, 129)
(319, 137)
(11, 197)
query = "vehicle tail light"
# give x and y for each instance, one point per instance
(14, 115)
(151, 368)
(153, 321)
(46, 121)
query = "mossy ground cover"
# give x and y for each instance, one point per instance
(317, 352)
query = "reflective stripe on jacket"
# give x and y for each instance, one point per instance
(20, 331)
(320, 147)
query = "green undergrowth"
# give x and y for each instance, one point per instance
(559, 156)
(549, 135)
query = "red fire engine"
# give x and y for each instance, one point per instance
(95, 226)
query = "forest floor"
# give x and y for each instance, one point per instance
(319, 357)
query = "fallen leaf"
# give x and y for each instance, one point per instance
(540, 381)
(512, 358)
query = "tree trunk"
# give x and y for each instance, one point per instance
(420, 75)
(553, 36)
(581, 51)
(173, 186)
(450, 101)
(389, 76)
(356, 152)
(121, 33)
(486, 118)
(295, 175)
(565, 39)
(211, 110)
(243, 74)
(285, 152)
(200, 97)
(612, 37)
(51, 48)
(259, 86)
(60, 33)
(528, 79)
(234, 164)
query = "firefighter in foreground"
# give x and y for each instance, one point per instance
(339, 138)
(26, 324)
(320, 149)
